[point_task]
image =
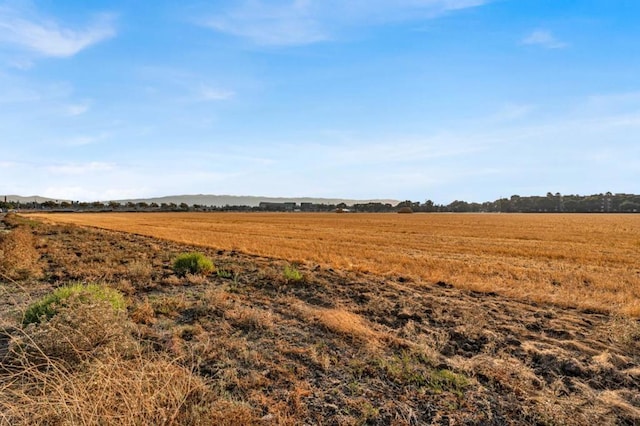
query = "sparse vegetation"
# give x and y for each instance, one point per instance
(348, 347)
(143, 389)
(224, 273)
(18, 255)
(585, 261)
(52, 303)
(292, 274)
(81, 329)
(192, 263)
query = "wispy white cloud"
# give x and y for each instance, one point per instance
(181, 85)
(7, 164)
(80, 168)
(512, 111)
(208, 93)
(300, 22)
(268, 24)
(544, 38)
(403, 150)
(45, 36)
(84, 140)
(74, 110)
(21, 64)
(85, 193)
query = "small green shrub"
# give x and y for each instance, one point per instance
(291, 274)
(192, 263)
(224, 273)
(49, 305)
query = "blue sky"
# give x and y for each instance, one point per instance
(404, 99)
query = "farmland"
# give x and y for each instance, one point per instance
(292, 337)
(585, 261)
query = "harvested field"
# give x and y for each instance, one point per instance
(585, 261)
(249, 345)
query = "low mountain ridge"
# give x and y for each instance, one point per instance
(248, 200)
(208, 200)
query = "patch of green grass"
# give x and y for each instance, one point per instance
(447, 381)
(292, 274)
(224, 273)
(369, 413)
(192, 263)
(169, 306)
(48, 306)
(416, 369)
(13, 220)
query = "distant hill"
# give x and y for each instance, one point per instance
(29, 199)
(251, 201)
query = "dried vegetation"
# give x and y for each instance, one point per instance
(247, 345)
(584, 260)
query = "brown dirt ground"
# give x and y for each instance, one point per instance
(352, 348)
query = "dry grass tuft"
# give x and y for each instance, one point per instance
(195, 279)
(143, 313)
(624, 332)
(339, 321)
(626, 412)
(139, 271)
(18, 254)
(251, 318)
(79, 331)
(114, 391)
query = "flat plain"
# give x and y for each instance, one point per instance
(266, 341)
(588, 261)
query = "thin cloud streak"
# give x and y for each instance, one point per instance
(213, 94)
(80, 169)
(47, 37)
(302, 22)
(544, 38)
(289, 24)
(75, 110)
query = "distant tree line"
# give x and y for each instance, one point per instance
(551, 203)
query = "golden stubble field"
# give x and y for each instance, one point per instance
(586, 261)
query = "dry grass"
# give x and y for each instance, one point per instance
(18, 255)
(339, 321)
(84, 366)
(341, 347)
(112, 391)
(78, 332)
(588, 261)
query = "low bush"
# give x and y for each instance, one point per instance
(50, 304)
(192, 263)
(292, 274)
